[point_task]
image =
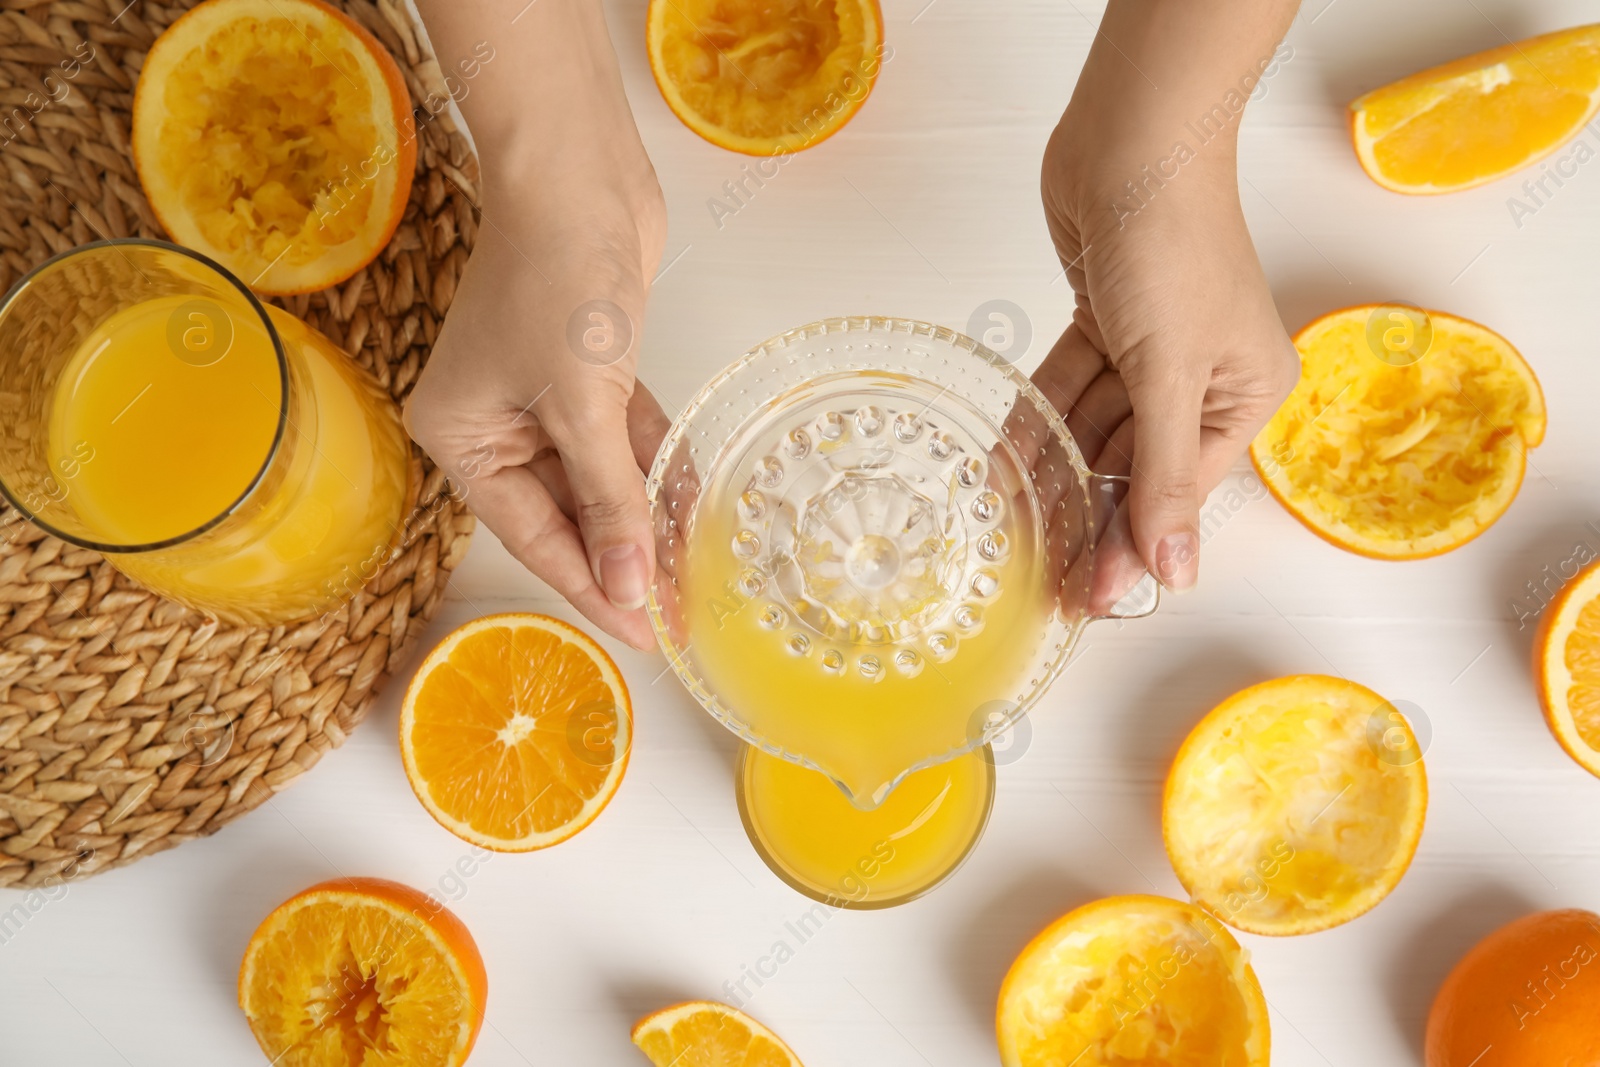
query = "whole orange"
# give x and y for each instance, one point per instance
(1528, 995)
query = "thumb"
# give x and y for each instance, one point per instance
(1164, 499)
(608, 498)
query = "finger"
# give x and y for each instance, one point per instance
(1026, 430)
(1118, 567)
(647, 426)
(546, 466)
(608, 496)
(680, 491)
(1103, 407)
(1164, 498)
(513, 504)
(1083, 318)
(1117, 456)
(1068, 368)
(1219, 452)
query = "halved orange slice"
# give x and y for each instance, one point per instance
(1566, 667)
(1480, 117)
(1295, 805)
(276, 137)
(515, 731)
(703, 1033)
(1133, 980)
(361, 971)
(765, 79)
(1408, 433)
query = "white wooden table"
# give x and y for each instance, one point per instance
(927, 206)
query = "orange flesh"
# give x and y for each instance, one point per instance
(514, 733)
(343, 979)
(1482, 116)
(1582, 656)
(706, 1034)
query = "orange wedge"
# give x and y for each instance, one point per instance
(1133, 980)
(765, 79)
(1408, 433)
(359, 972)
(515, 732)
(1481, 117)
(1566, 667)
(703, 1033)
(276, 137)
(1294, 806)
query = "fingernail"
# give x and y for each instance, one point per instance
(623, 576)
(1178, 561)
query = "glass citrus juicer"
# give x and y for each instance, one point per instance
(876, 545)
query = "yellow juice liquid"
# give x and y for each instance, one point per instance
(153, 446)
(863, 729)
(814, 838)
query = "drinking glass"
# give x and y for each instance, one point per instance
(220, 452)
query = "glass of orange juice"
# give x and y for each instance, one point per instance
(809, 834)
(876, 544)
(220, 452)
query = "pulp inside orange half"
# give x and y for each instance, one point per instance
(1132, 980)
(274, 136)
(1401, 457)
(1295, 805)
(765, 78)
(707, 1034)
(354, 974)
(515, 731)
(1480, 117)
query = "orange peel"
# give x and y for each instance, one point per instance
(1133, 979)
(1295, 805)
(765, 79)
(1408, 433)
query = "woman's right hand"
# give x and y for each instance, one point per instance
(530, 406)
(529, 402)
(1176, 356)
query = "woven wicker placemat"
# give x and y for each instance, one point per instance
(129, 724)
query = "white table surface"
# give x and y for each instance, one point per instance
(926, 206)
